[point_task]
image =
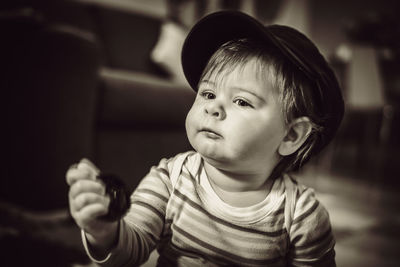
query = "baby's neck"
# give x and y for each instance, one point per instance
(240, 190)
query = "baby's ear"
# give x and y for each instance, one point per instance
(297, 134)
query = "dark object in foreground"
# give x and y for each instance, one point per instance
(119, 197)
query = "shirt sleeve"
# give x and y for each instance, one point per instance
(142, 227)
(311, 238)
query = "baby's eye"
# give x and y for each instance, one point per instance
(242, 103)
(207, 95)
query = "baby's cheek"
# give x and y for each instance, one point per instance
(192, 118)
(190, 126)
(188, 122)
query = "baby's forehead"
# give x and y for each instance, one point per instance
(246, 71)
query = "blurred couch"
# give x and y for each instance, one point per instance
(78, 81)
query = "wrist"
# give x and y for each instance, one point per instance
(102, 243)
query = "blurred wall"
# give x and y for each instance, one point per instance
(330, 17)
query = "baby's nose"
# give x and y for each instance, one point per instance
(215, 109)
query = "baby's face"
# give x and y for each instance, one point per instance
(236, 123)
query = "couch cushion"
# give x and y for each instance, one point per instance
(142, 101)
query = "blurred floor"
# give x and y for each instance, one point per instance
(364, 215)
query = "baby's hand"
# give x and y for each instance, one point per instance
(88, 202)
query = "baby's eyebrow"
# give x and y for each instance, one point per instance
(238, 88)
(249, 92)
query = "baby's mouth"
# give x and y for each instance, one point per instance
(210, 133)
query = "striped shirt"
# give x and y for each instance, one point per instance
(175, 210)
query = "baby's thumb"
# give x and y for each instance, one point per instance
(89, 166)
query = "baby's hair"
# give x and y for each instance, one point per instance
(293, 88)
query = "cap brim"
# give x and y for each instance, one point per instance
(210, 33)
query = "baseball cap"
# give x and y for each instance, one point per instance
(209, 33)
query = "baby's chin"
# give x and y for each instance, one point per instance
(216, 154)
(210, 153)
(217, 160)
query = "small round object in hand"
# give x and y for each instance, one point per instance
(119, 197)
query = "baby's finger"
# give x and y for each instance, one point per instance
(86, 164)
(73, 175)
(88, 199)
(91, 212)
(87, 186)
